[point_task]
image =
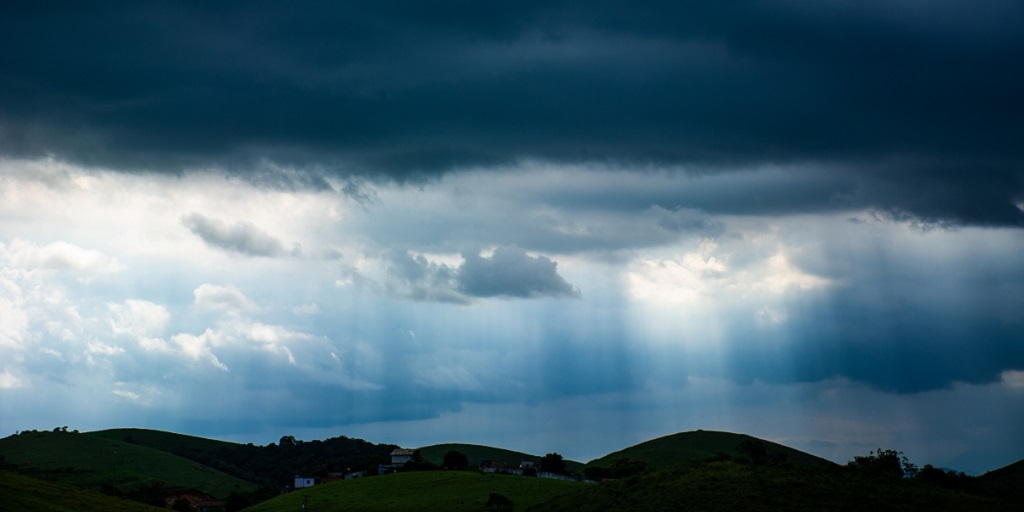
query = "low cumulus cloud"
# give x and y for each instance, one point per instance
(509, 272)
(240, 237)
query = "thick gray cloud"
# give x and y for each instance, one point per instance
(241, 237)
(421, 279)
(398, 89)
(510, 272)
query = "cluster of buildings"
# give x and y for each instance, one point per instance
(401, 456)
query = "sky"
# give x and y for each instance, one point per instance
(545, 226)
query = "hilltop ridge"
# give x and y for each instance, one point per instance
(682, 448)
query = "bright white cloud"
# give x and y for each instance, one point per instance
(97, 347)
(199, 347)
(778, 275)
(154, 344)
(56, 256)
(223, 298)
(130, 395)
(13, 319)
(708, 275)
(9, 381)
(138, 318)
(306, 309)
(683, 280)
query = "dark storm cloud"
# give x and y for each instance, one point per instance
(405, 90)
(686, 220)
(241, 237)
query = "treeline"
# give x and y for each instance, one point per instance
(761, 480)
(276, 464)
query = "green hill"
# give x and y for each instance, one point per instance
(450, 491)
(678, 450)
(220, 455)
(476, 453)
(731, 486)
(273, 465)
(97, 462)
(1007, 481)
(22, 493)
(164, 441)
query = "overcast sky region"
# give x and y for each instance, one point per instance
(545, 226)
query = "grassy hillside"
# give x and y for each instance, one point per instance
(678, 450)
(449, 491)
(729, 486)
(476, 453)
(96, 462)
(164, 441)
(21, 493)
(1006, 481)
(273, 465)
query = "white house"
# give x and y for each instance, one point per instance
(400, 456)
(301, 482)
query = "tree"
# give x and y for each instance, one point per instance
(287, 441)
(418, 462)
(883, 464)
(455, 459)
(553, 463)
(948, 479)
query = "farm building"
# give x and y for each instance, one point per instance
(400, 456)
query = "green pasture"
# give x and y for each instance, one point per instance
(96, 462)
(450, 491)
(20, 493)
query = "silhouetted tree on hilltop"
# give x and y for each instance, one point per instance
(455, 459)
(553, 463)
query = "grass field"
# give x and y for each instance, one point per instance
(685, 472)
(450, 491)
(164, 441)
(20, 493)
(687, 447)
(476, 453)
(729, 486)
(96, 462)
(1006, 481)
